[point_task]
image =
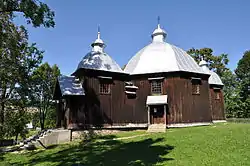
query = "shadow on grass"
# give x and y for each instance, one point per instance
(111, 152)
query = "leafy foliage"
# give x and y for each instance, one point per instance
(44, 79)
(18, 60)
(216, 63)
(35, 11)
(243, 74)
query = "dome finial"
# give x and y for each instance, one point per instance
(98, 44)
(158, 22)
(202, 62)
(98, 32)
(202, 57)
(159, 34)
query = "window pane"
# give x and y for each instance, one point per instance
(156, 87)
(195, 89)
(104, 88)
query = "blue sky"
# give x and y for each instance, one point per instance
(126, 27)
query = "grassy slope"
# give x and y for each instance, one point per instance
(212, 145)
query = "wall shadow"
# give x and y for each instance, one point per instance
(110, 152)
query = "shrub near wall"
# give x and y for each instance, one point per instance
(239, 120)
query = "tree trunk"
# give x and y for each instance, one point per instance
(2, 119)
(16, 137)
(2, 113)
(41, 120)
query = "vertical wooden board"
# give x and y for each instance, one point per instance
(217, 106)
(170, 89)
(140, 112)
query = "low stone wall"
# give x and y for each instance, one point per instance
(56, 137)
(219, 121)
(188, 124)
(80, 134)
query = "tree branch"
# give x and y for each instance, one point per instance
(10, 10)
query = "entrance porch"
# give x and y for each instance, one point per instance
(157, 113)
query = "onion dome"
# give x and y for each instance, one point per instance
(97, 59)
(214, 79)
(160, 56)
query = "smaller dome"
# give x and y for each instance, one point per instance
(97, 59)
(98, 41)
(203, 63)
(214, 79)
(159, 31)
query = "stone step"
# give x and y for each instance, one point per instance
(157, 128)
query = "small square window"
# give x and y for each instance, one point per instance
(104, 88)
(195, 89)
(156, 87)
(196, 86)
(217, 95)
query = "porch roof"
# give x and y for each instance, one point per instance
(69, 85)
(157, 100)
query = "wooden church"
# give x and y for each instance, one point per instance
(161, 84)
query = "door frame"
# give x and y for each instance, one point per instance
(165, 113)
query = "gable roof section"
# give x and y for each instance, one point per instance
(69, 85)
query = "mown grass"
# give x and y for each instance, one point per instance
(223, 144)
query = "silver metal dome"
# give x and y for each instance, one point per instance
(214, 79)
(97, 59)
(160, 56)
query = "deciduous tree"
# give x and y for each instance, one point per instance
(243, 75)
(35, 11)
(44, 80)
(18, 59)
(216, 63)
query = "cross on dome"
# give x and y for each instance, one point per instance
(159, 34)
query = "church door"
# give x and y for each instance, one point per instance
(157, 115)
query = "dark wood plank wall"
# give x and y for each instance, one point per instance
(143, 91)
(217, 105)
(184, 107)
(116, 109)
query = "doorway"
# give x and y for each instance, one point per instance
(157, 114)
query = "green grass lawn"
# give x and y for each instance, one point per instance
(221, 144)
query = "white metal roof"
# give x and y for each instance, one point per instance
(156, 100)
(214, 78)
(99, 61)
(161, 57)
(69, 85)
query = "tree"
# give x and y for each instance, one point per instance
(44, 80)
(35, 11)
(18, 60)
(243, 75)
(216, 63)
(233, 104)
